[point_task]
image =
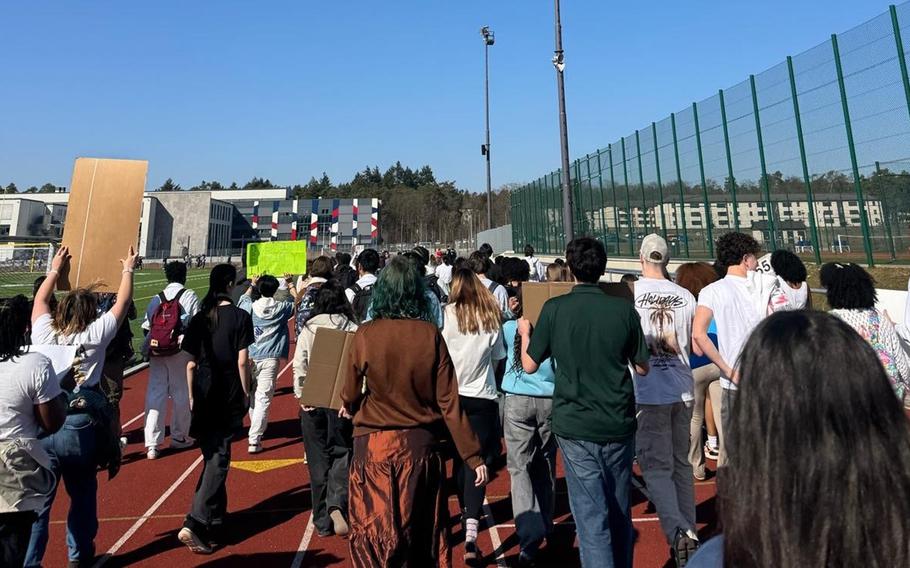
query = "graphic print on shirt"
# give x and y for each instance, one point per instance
(661, 338)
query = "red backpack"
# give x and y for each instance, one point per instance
(166, 327)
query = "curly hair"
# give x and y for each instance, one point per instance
(733, 247)
(14, 322)
(400, 293)
(788, 266)
(849, 286)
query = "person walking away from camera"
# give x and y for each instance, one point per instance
(166, 319)
(594, 339)
(737, 303)
(536, 268)
(320, 271)
(31, 405)
(493, 273)
(693, 276)
(530, 445)
(432, 297)
(219, 376)
(473, 336)
(790, 290)
(558, 273)
(403, 394)
(359, 294)
(481, 266)
(271, 344)
(326, 435)
(629, 280)
(444, 272)
(421, 257)
(664, 398)
(118, 354)
(851, 296)
(344, 272)
(812, 385)
(85, 442)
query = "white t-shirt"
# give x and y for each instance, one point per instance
(537, 272)
(784, 298)
(94, 339)
(24, 382)
(364, 281)
(666, 311)
(735, 302)
(444, 276)
(499, 291)
(473, 356)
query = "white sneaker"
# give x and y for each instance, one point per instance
(254, 448)
(181, 444)
(193, 542)
(152, 453)
(122, 442)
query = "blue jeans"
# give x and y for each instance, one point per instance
(598, 477)
(72, 453)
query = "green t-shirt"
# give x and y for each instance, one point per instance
(593, 338)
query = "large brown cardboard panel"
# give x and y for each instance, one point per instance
(102, 220)
(326, 372)
(535, 294)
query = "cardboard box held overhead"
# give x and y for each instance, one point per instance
(102, 220)
(535, 294)
(327, 369)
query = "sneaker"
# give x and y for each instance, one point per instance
(338, 522)
(700, 476)
(525, 560)
(180, 444)
(123, 442)
(254, 448)
(471, 554)
(325, 533)
(711, 453)
(193, 542)
(152, 453)
(684, 546)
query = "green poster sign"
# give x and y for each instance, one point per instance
(276, 258)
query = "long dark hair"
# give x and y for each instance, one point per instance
(330, 299)
(221, 279)
(839, 494)
(516, 345)
(14, 323)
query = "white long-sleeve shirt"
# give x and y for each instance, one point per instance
(305, 341)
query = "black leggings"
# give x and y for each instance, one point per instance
(483, 414)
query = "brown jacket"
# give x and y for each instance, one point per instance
(400, 376)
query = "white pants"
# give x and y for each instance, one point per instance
(261, 397)
(167, 378)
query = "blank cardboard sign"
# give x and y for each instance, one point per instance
(535, 294)
(327, 369)
(102, 220)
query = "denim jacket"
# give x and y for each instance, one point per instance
(270, 327)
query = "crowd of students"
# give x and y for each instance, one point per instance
(802, 410)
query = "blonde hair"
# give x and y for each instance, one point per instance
(558, 273)
(476, 309)
(76, 311)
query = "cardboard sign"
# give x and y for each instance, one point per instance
(328, 369)
(102, 220)
(276, 258)
(535, 294)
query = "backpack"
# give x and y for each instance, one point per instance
(431, 281)
(492, 286)
(166, 327)
(361, 301)
(306, 305)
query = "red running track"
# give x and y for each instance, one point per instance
(141, 510)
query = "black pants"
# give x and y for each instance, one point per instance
(483, 414)
(15, 531)
(327, 439)
(210, 501)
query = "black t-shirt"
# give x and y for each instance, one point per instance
(221, 404)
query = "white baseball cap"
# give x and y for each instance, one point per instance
(654, 249)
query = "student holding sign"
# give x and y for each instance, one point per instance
(326, 434)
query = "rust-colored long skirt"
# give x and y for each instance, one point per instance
(397, 507)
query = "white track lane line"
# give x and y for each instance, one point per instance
(494, 536)
(133, 419)
(147, 515)
(304, 543)
(157, 504)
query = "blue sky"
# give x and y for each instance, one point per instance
(287, 90)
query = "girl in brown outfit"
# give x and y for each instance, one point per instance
(402, 392)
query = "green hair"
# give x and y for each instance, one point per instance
(401, 293)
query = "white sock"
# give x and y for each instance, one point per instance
(470, 529)
(712, 442)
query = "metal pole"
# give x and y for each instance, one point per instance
(704, 184)
(764, 172)
(885, 211)
(625, 177)
(615, 205)
(660, 187)
(681, 219)
(899, 43)
(641, 183)
(857, 182)
(813, 223)
(559, 63)
(723, 119)
(487, 42)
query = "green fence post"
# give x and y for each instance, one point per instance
(615, 203)
(625, 177)
(592, 222)
(769, 206)
(641, 184)
(899, 43)
(885, 211)
(681, 218)
(730, 176)
(813, 224)
(857, 182)
(660, 187)
(600, 186)
(517, 225)
(704, 183)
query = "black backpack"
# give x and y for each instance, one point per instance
(361, 302)
(431, 281)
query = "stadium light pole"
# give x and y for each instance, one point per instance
(559, 63)
(488, 39)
